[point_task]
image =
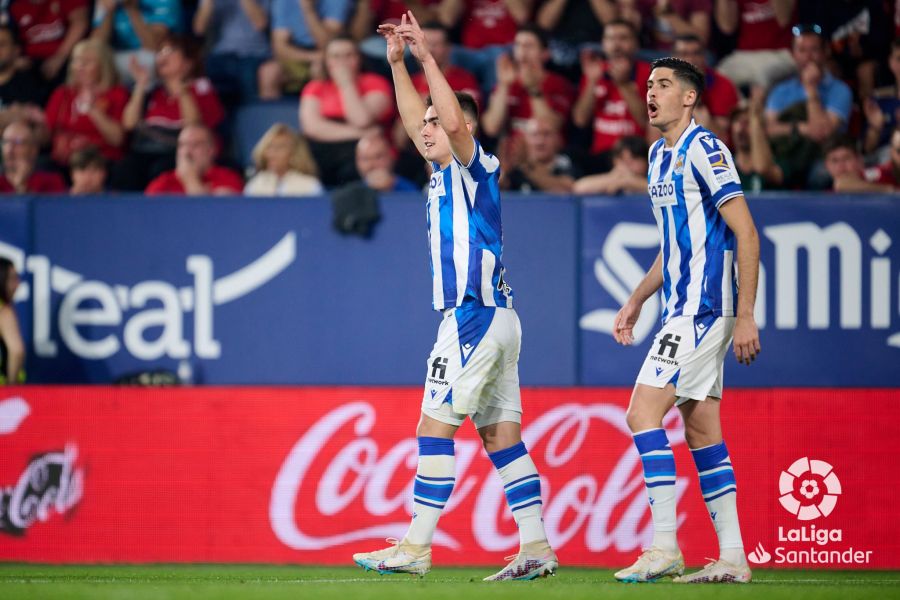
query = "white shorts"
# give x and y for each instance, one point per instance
(473, 369)
(689, 352)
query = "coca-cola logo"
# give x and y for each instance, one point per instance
(51, 482)
(339, 463)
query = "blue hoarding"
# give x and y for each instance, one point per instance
(264, 291)
(828, 298)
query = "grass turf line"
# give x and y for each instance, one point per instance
(251, 582)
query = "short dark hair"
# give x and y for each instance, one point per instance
(636, 145)
(840, 141)
(466, 103)
(86, 158)
(689, 37)
(6, 267)
(539, 32)
(624, 23)
(436, 26)
(684, 72)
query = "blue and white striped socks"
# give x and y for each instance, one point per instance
(435, 477)
(659, 477)
(522, 486)
(719, 489)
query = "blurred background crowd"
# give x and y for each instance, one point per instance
(294, 97)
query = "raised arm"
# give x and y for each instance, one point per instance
(449, 113)
(409, 103)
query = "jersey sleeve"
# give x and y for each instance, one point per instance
(482, 166)
(714, 169)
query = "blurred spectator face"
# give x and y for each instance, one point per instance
(541, 140)
(894, 63)
(808, 48)
(9, 52)
(19, 148)
(195, 147)
(437, 43)
(842, 161)
(637, 165)
(89, 180)
(341, 53)
(85, 67)
(691, 51)
(171, 63)
(278, 154)
(740, 130)
(619, 41)
(528, 50)
(372, 154)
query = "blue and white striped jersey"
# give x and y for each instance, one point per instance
(687, 184)
(465, 235)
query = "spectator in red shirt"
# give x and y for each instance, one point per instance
(667, 20)
(460, 80)
(525, 89)
(611, 100)
(720, 97)
(337, 111)
(87, 110)
(763, 29)
(20, 152)
(886, 176)
(196, 173)
(155, 116)
(49, 29)
(368, 15)
(487, 28)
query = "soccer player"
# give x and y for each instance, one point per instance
(707, 268)
(473, 368)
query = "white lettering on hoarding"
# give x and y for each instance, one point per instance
(795, 244)
(92, 313)
(361, 472)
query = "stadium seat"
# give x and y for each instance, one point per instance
(252, 120)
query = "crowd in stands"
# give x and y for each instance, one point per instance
(141, 95)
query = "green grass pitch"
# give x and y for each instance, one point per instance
(250, 582)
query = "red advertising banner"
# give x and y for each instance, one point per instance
(311, 475)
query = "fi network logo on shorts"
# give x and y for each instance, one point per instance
(808, 490)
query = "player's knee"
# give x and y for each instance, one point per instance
(640, 420)
(698, 436)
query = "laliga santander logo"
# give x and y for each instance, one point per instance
(809, 489)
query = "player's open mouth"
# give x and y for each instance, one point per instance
(652, 109)
(429, 144)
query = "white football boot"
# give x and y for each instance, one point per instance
(653, 564)
(718, 571)
(534, 560)
(399, 558)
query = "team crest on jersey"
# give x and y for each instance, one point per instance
(679, 164)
